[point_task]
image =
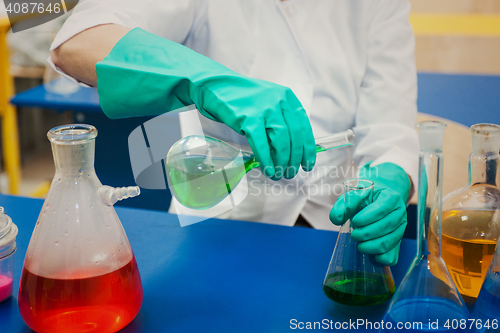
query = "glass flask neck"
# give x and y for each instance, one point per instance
(430, 187)
(429, 202)
(338, 140)
(484, 160)
(73, 149)
(250, 160)
(334, 141)
(74, 159)
(483, 169)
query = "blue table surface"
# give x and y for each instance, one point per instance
(466, 99)
(84, 99)
(216, 275)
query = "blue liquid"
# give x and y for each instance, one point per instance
(434, 313)
(488, 302)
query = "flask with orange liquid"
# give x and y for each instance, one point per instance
(471, 215)
(79, 274)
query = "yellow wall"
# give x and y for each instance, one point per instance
(457, 36)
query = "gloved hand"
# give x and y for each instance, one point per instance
(380, 225)
(145, 74)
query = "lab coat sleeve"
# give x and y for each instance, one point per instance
(171, 19)
(386, 111)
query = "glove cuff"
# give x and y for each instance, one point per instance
(146, 75)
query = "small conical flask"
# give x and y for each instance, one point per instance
(203, 171)
(487, 309)
(427, 294)
(79, 274)
(471, 215)
(354, 278)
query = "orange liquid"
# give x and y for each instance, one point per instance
(468, 242)
(104, 303)
(467, 262)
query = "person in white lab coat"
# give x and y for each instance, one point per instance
(278, 73)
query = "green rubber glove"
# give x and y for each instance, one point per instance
(380, 225)
(145, 75)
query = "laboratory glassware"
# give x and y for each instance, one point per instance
(79, 274)
(355, 278)
(471, 215)
(486, 312)
(203, 171)
(427, 294)
(8, 233)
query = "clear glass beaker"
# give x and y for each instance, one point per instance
(79, 274)
(427, 294)
(355, 278)
(8, 233)
(203, 171)
(471, 215)
(487, 309)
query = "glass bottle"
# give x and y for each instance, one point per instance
(487, 309)
(8, 233)
(427, 294)
(355, 278)
(203, 171)
(79, 274)
(471, 215)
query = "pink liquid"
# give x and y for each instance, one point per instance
(5, 287)
(104, 303)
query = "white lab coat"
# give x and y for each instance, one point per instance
(350, 62)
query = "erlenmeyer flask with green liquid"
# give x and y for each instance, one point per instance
(202, 171)
(355, 278)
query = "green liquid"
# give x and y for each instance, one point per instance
(252, 163)
(199, 185)
(359, 288)
(320, 149)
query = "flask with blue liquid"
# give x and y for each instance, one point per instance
(427, 299)
(486, 312)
